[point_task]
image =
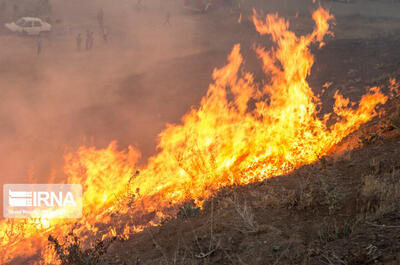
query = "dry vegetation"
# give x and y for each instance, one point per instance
(345, 209)
(342, 210)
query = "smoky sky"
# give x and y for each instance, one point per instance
(124, 90)
(147, 75)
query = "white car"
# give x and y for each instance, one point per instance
(29, 26)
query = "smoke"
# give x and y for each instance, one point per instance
(147, 75)
(124, 90)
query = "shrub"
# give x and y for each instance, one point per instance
(72, 253)
(332, 196)
(188, 210)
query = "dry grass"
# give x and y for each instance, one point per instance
(395, 119)
(246, 219)
(336, 230)
(382, 193)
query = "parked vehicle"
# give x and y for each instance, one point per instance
(29, 26)
(11, 10)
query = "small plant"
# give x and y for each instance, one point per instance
(395, 119)
(336, 231)
(71, 252)
(381, 192)
(165, 220)
(370, 139)
(247, 223)
(332, 196)
(188, 210)
(376, 165)
(306, 197)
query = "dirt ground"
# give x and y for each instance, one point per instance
(150, 74)
(288, 220)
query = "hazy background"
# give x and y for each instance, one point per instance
(149, 74)
(124, 90)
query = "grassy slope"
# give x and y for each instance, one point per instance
(341, 210)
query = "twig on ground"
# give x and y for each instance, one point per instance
(203, 255)
(372, 260)
(383, 226)
(325, 257)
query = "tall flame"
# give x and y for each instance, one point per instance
(265, 130)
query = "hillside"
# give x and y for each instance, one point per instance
(278, 141)
(342, 210)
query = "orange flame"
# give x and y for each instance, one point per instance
(265, 131)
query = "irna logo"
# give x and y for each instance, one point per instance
(42, 200)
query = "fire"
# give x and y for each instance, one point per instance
(266, 130)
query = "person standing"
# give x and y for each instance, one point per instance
(91, 39)
(87, 43)
(105, 35)
(78, 42)
(167, 19)
(100, 18)
(39, 46)
(16, 11)
(139, 5)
